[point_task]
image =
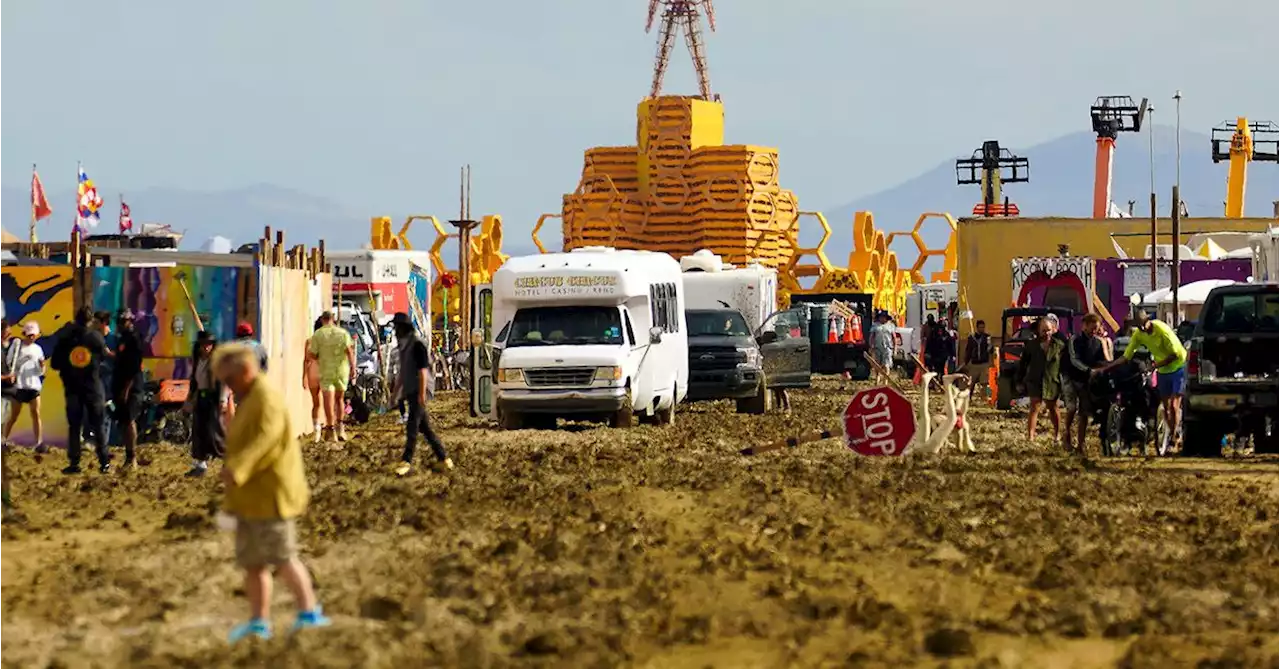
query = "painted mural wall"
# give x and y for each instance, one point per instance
(41, 293)
(164, 317)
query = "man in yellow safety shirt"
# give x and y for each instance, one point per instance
(1170, 358)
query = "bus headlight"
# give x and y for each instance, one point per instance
(510, 375)
(608, 373)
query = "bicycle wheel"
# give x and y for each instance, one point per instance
(1111, 431)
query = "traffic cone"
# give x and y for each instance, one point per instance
(833, 335)
(847, 337)
(856, 330)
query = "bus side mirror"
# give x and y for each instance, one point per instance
(655, 335)
(477, 337)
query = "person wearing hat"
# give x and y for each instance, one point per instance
(414, 384)
(126, 383)
(28, 369)
(245, 335)
(335, 353)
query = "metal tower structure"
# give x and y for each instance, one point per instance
(1111, 115)
(677, 14)
(991, 167)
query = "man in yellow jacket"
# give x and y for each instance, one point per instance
(266, 490)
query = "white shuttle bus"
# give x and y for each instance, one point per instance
(595, 333)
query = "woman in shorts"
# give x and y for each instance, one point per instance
(28, 379)
(1039, 371)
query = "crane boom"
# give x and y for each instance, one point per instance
(1111, 115)
(1248, 142)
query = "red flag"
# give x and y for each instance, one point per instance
(39, 202)
(126, 220)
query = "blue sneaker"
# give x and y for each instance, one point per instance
(255, 627)
(313, 618)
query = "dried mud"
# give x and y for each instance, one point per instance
(662, 547)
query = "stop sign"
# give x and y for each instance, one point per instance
(879, 421)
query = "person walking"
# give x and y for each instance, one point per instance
(1039, 371)
(1086, 353)
(881, 340)
(126, 384)
(28, 378)
(977, 358)
(102, 323)
(9, 354)
(335, 354)
(311, 379)
(245, 335)
(77, 357)
(208, 402)
(266, 491)
(414, 385)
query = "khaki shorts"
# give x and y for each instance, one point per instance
(978, 373)
(1075, 395)
(262, 543)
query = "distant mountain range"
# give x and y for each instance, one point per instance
(1061, 184)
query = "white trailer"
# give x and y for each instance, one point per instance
(928, 298)
(710, 283)
(593, 333)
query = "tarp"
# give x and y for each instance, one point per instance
(216, 244)
(1194, 292)
(1210, 250)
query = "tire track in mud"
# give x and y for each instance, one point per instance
(662, 547)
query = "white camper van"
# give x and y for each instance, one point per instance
(595, 333)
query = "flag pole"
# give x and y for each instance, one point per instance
(31, 231)
(120, 216)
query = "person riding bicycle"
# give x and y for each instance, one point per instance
(1168, 356)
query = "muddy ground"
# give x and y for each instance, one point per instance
(664, 548)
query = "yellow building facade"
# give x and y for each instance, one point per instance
(986, 247)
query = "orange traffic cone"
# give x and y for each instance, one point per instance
(856, 330)
(847, 337)
(833, 335)
(992, 384)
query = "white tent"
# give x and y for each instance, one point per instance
(216, 244)
(1194, 292)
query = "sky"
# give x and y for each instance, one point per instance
(375, 104)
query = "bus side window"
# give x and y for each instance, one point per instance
(626, 322)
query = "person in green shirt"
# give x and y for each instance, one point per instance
(335, 353)
(1170, 358)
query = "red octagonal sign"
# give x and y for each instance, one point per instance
(879, 421)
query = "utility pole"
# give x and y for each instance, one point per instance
(1151, 156)
(1176, 220)
(464, 224)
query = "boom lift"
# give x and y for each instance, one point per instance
(1240, 143)
(1112, 115)
(991, 167)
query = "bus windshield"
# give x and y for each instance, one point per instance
(568, 325)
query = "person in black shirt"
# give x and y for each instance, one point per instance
(413, 384)
(977, 358)
(126, 383)
(77, 356)
(1086, 353)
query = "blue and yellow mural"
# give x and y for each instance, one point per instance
(40, 293)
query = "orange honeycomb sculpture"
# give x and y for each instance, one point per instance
(486, 258)
(947, 253)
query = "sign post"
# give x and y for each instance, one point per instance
(879, 421)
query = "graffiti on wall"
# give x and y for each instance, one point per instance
(43, 294)
(164, 316)
(1045, 273)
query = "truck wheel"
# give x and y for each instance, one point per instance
(1004, 393)
(860, 371)
(666, 416)
(624, 417)
(1201, 439)
(510, 420)
(756, 404)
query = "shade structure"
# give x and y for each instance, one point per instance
(1194, 292)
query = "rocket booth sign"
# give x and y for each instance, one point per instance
(879, 421)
